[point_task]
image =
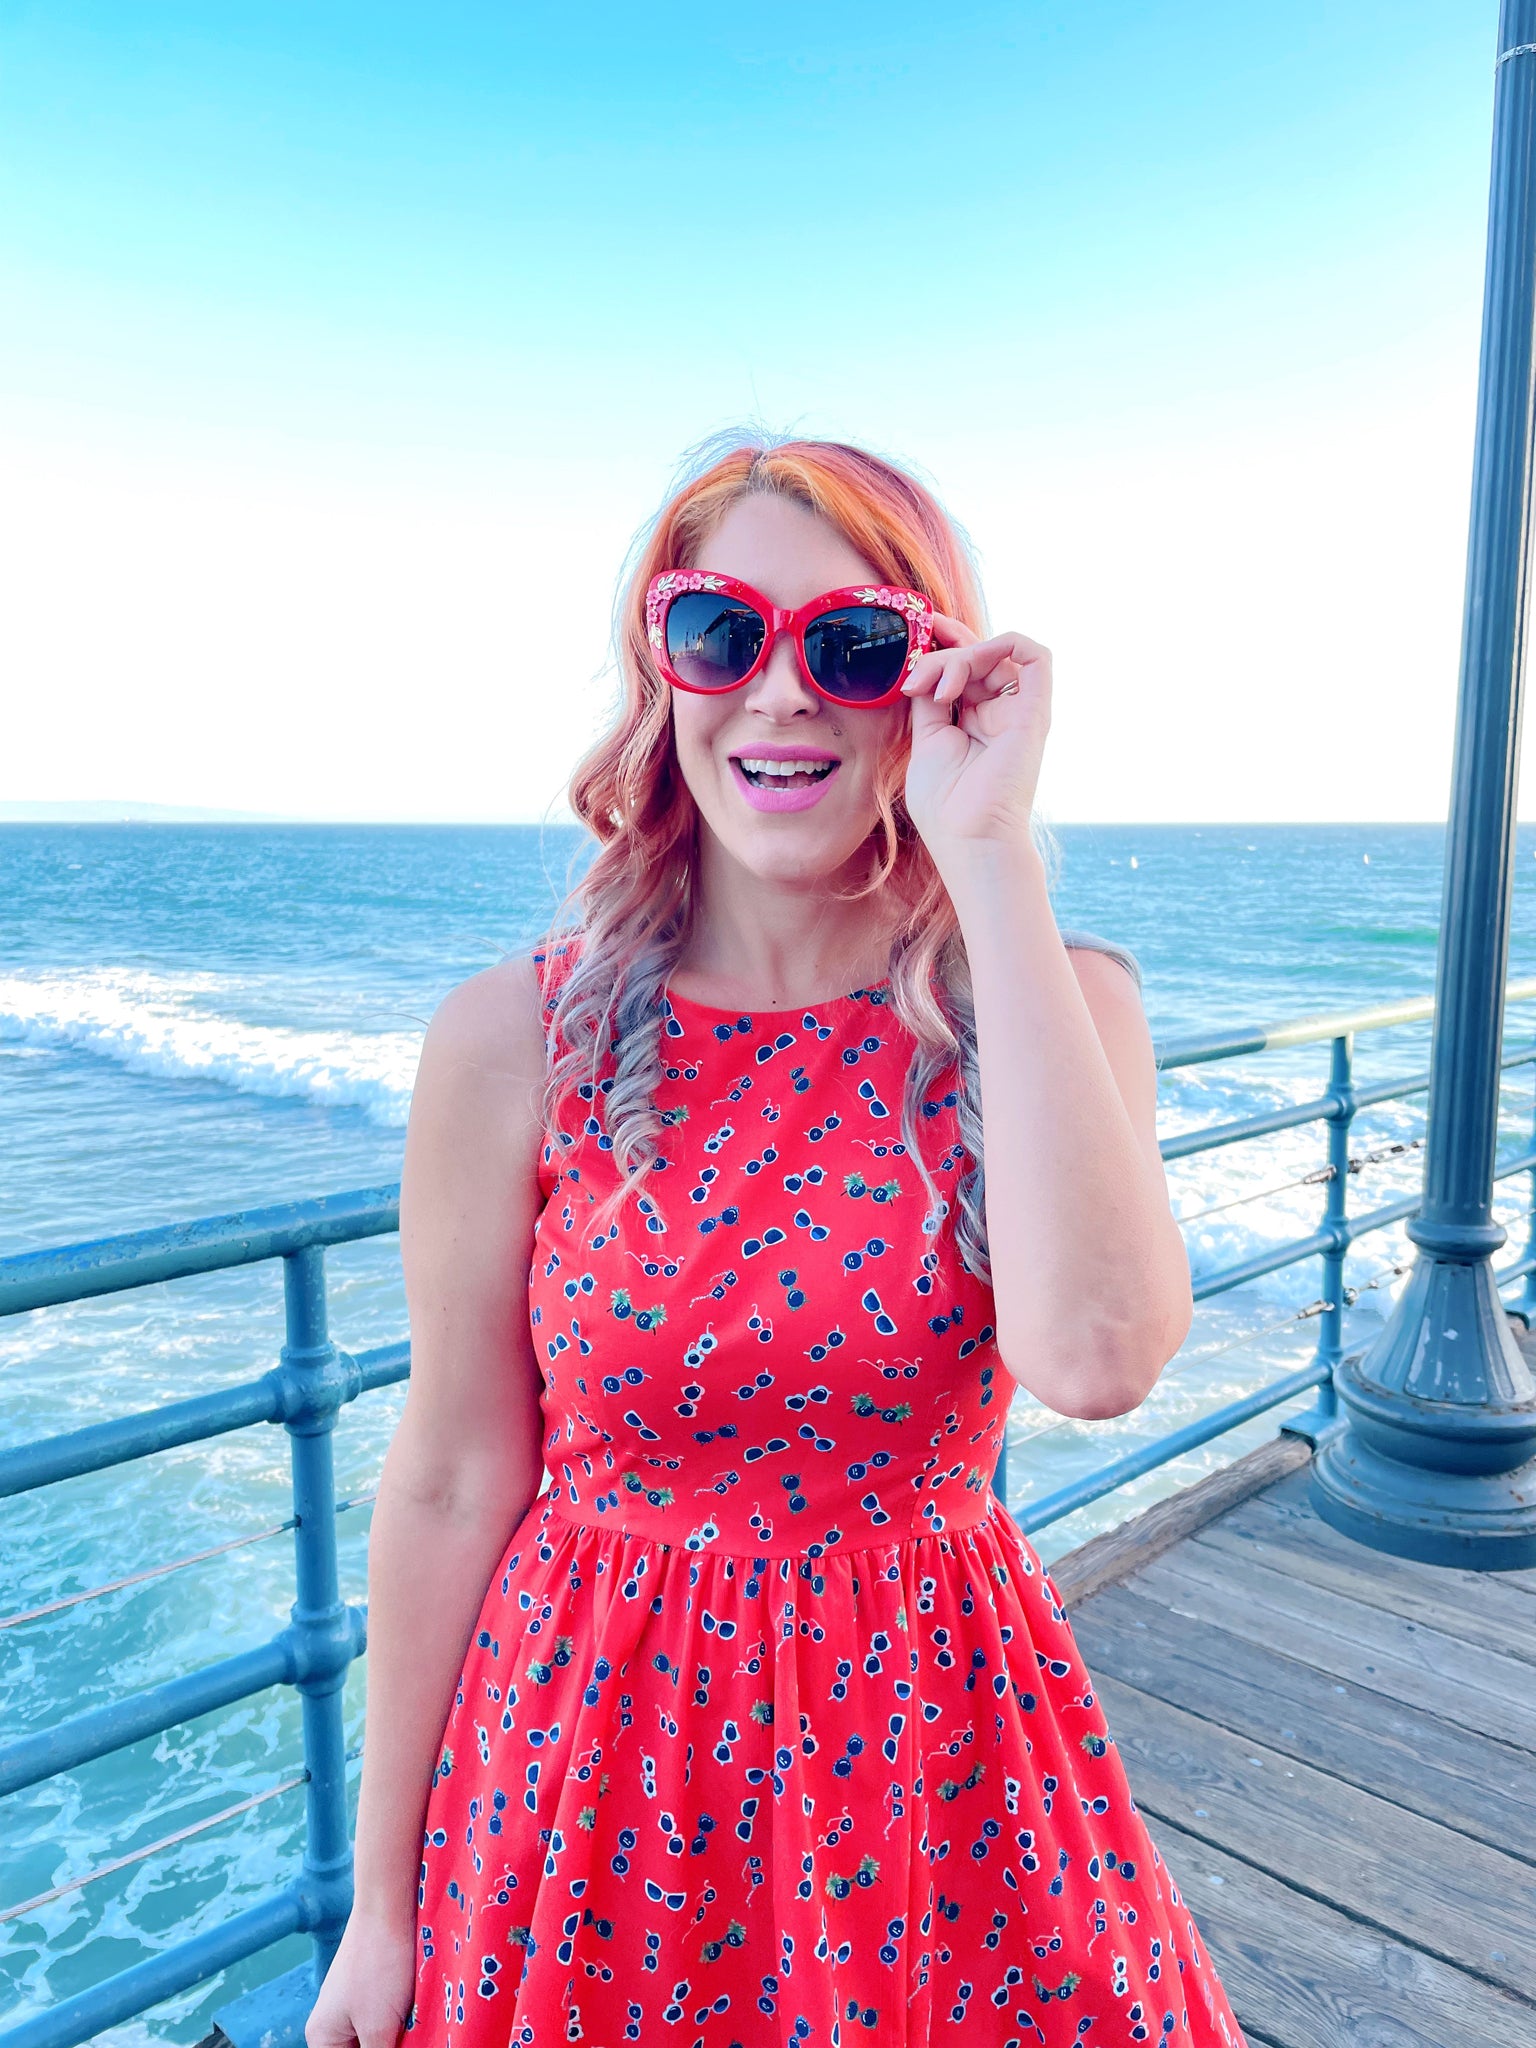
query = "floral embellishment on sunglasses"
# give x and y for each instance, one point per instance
(855, 645)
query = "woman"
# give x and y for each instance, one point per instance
(763, 1723)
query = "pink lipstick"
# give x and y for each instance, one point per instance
(776, 792)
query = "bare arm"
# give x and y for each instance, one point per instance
(464, 1464)
(1090, 1277)
(1090, 1274)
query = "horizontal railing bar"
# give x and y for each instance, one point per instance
(1291, 1253)
(77, 1451)
(1066, 1500)
(142, 1985)
(102, 1444)
(1225, 1045)
(1184, 1144)
(208, 1244)
(68, 1744)
(1415, 1084)
(383, 1366)
(1210, 1137)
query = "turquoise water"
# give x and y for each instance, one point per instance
(200, 1018)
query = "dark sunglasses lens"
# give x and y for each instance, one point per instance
(712, 641)
(857, 652)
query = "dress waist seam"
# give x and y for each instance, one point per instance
(803, 1556)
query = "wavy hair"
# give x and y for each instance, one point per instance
(629, 913)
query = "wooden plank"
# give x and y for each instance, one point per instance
(1492, 1617)
(1302, 1974)
(1467, 1687)
(1469, 1782)
(1130, 1544)
(1281, 1590)
(1452, 1897)
(1291, 1496)
(1286, 1507)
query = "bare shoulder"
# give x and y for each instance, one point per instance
(470, 1200)
(1113, 995)
(475, 1105)
(491, 1023)
(1105, 979)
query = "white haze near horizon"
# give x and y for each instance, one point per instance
(1255, 614)
(382, 600)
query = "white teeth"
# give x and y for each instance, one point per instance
(787, 767)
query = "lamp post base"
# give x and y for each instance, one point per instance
(1482, 1521)
(1445, 1481)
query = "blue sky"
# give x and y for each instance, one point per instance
(343, 349)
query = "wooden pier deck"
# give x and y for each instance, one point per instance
(1335, 1751)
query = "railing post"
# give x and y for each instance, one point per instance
(1527, 1303)
(1330, 1342)
(319, 1615)
(1321, 1421)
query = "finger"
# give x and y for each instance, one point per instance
(1010, 647)
(953, 670)
(995, 667)
(928, 717)
(940, 673)
(949, 632)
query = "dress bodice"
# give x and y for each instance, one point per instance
(776, 1347)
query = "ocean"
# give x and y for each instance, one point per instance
(201, 1018)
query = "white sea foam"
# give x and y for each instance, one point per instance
(174, 1027)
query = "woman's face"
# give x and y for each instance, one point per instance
(791, 555)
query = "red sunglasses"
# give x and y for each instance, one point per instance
(856, 645)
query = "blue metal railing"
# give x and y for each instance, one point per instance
(304, 1392)
(313, 1380)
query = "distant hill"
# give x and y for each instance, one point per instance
(106, 811)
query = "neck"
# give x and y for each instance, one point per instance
(774, 943)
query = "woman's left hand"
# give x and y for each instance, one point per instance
(971, 783)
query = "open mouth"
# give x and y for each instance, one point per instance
(763, 772)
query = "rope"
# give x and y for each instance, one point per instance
(1316, 1178)
(198, 1827)
(156, 1571)
(176, 1564)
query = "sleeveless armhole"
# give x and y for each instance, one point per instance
(1091, 942)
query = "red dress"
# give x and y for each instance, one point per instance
(772, 1730)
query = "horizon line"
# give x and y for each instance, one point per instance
(107, 815)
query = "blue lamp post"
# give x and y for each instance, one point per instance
(1438, 1456)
